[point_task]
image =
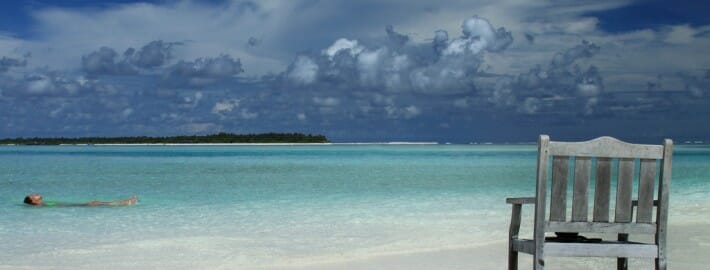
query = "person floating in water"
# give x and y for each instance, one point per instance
(36, 200)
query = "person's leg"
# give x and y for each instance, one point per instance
(130, 201)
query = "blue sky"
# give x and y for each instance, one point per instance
(447, 71)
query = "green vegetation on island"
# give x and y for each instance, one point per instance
(214, 138)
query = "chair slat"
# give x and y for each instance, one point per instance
(558, 197)
(600, 227)
(580, 203)
(603, 188)
(604, 249)
(646, 186)
(623, 190)
(606, 147)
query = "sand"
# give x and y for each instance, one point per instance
(689, 248)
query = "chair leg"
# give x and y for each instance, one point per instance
(622, 263)
(660, 263)
(661, 260)
(512, 260)
(538, 263)
(512, 235)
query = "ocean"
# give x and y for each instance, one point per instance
(261, 207)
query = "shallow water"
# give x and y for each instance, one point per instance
(252, 206)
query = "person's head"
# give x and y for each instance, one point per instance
(33, 199)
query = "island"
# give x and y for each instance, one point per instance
(219, 138)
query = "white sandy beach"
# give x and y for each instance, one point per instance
(689, 246)
(688, 249)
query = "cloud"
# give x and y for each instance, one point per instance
(479, 34)
(106, 61)
(223, 27)
(565, 59)
(246, 114)
(225, 106)
(303, 71)
(561, 86)
(6, 63)
(127, 112)
(153, 59)
(230, 108)
(696, 86)
(154, 54)
(680, 34)
(202, 72)
(407, 112)
(530, 38)
(49, 84)
(398, 64)
(301, 116)
(461, 103)
(436, 66)
(253, 42)
(350, 46)
(327, 101)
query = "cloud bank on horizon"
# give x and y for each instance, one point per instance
(357, 71)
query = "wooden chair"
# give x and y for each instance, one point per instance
(602, 152)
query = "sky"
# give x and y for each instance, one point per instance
(357, 71)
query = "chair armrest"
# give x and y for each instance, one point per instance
(524, 200)
(517, 205)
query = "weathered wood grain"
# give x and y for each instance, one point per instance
(602, 190)
(558, 195)
(606, 147)
(580, 201)
(624, 190)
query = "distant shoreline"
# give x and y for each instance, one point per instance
(228, 144)
(212, 139)
(269, 144)
(241, 144)
(291, 144)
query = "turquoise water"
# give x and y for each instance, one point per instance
(254, 206)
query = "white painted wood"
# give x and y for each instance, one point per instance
(602, 190)
(623, 190)
(601, 227)
(647, 178)
(580, 201)
(608, 249)
(558, 195)
(606, 147)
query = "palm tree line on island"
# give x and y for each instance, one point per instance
(221, 137)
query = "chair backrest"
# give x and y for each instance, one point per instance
(602, 162)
